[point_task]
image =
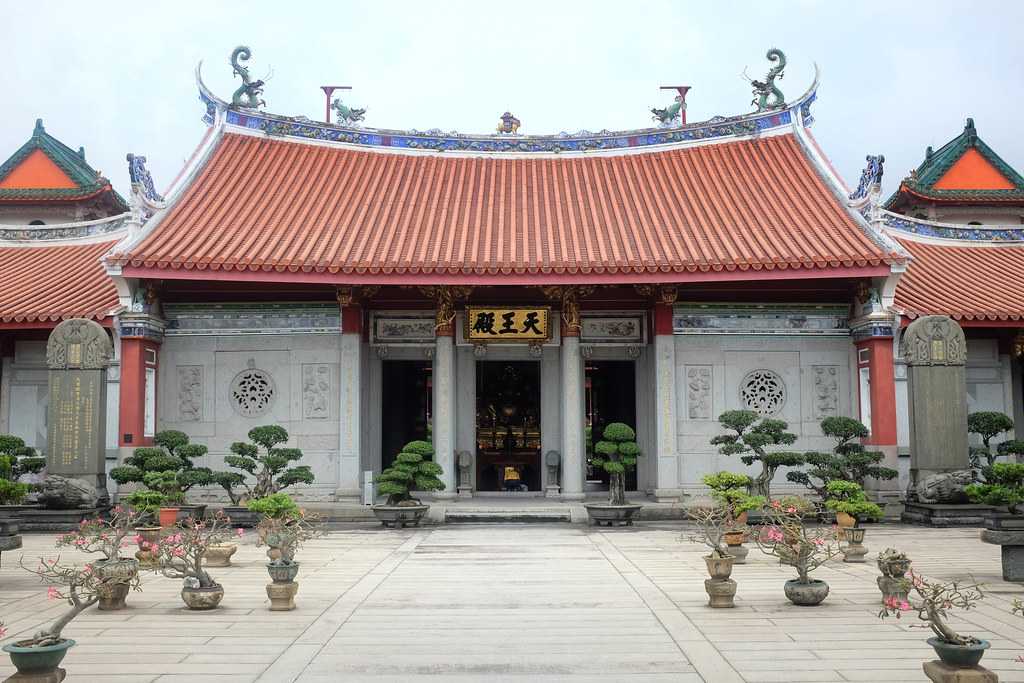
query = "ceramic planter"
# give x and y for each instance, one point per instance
(202, 598)
(37, 663)
(855, 550)
(148, 536)
(399, 516)
(120, 573)
(242, 516)
(719, 567)
(219, 555)
(893, 588)
(962, 656)
(168, 517)
(738, 552)
(734, 537)
(894, 569)
(186, 511)
(283, 573)
(844, 522)
(806, 594)
(611, 515)
(282, 595)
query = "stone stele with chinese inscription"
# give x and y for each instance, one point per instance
(77, 355)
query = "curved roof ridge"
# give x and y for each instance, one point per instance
(920, 229)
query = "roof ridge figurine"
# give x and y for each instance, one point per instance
(762, 91)
(248, 94)
(347, 115)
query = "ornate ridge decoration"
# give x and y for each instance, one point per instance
(445, 297)
(141, 178)
(870, 177)
(78, 344)
(438, 141)
(248, 94)
(509, 124)
(347, 116)
(952, 231)
(568, 298)
(63, 231)
(768, 89)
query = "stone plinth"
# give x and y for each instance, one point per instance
(946, 514)
(55, 676)
(282, 595)
(940, 672)
(77, 355)
(1011, 544)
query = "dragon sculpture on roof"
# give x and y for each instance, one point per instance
(768, 89)
(248, 94)
(347, 115)
(670, 114)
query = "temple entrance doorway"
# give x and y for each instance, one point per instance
(406, 399)
(610, 397)
(508, 426)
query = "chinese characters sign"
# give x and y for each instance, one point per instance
(508, 324)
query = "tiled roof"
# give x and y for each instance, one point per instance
(965, 282)
(86, 182)
(926, 181)
(50, 283)
(261, 204)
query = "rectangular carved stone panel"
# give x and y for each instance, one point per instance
(77, 422)
(826, 391)
(190, 393)
(316, 391)
(698, 392)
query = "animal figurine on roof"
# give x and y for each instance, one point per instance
(509, 124)
(762, 91)
(347, 115)
(248, 94)
(670, 114)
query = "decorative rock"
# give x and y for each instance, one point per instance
(893, 588)
(940, 672)
(282, 596)
(720, 592)
(67, 493)
(945, 487)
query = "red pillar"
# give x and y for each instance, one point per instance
(137, 356)
(875, 354)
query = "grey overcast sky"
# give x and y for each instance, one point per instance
(896, 76)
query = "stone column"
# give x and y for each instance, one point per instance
(935, 352)
(444, 409)
(573, 444)
(77, 355)
(873, 340)
(141, 335)
(667, 486)
(350, 388)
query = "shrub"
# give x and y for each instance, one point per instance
(848, 461)
(787, 537)
(730, 490)
(271, 468)
(410, 471)
(166, 468)
(13, 492)
(274, 506)
(932, 601)
(146, 503)
(753, 438)
(614, 453)
(1005, 486)
(848, 497)
(17, 459)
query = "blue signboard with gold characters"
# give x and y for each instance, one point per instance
(491, 324)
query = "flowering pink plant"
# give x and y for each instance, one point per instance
(180, 555)
(932, 603)
(288, 534)
(802, 547)
(98, 536)
(713, 523)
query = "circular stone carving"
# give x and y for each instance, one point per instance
(252, 392)
(764, 392)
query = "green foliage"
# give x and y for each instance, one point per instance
(848, 460)
(722, 481)
(275, 506)
(1004, 486)
(12, 492)
(616, 452)
(167, 467)
(146, 502)
(730, 490)
(17, 459)
(987, 424)
(411, 471)
(272, 468)
(750, 439)
(849, 497)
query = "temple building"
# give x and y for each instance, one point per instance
(506, 296)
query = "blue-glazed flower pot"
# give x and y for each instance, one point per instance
(963, 656)
(33, 661)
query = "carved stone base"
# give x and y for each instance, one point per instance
(465, 492)
(113, 598)
(740, 552)
(553, 491)
(893, 588)
(945, 515)
(282, 596)
(55, 676)
(720, 592)
(855, 552)
(940, 672)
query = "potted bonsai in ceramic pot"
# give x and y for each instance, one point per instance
(290, 533)
(16, 460)
(146, 505)
(988, 425)
(730, 490)
(264, 468)
(932, 602)
(800, 546)
(275, 511)
(894, 566)
(713, 523)
(847, 498)
(38, 657)
(167, 468)
(108, 538)
(750, 437)
(181, 557)
(615, 453)
(410, 471)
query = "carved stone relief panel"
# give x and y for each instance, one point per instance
(252, 392)
(698, 392)
(826, 391)
(764, 392)
(316, 391)
(190, 393)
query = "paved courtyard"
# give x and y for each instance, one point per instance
(520, 603)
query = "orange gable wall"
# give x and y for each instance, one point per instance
(37, 171)
(972, 171)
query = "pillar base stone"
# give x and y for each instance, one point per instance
(668, 495)
(940, 672)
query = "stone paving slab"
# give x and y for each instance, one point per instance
(524, 603)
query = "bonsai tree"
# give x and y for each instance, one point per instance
(275, 506)
(848, 497)
(795, 544)
(105, 537)
(848, 461)
(265, 460)
(146, 503)
(411, 471)
(290, 533)
(988, 425)
(166, 468)
(616, 451)
(16, 459)
(932, 601)
(1004, 486)
(180, 555)
(730, 490)
(713, 523)
(751, 438)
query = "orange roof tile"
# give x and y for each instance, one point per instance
(262, 205)
(964, 282)
(50, 283)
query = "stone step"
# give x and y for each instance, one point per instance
(491, 515)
